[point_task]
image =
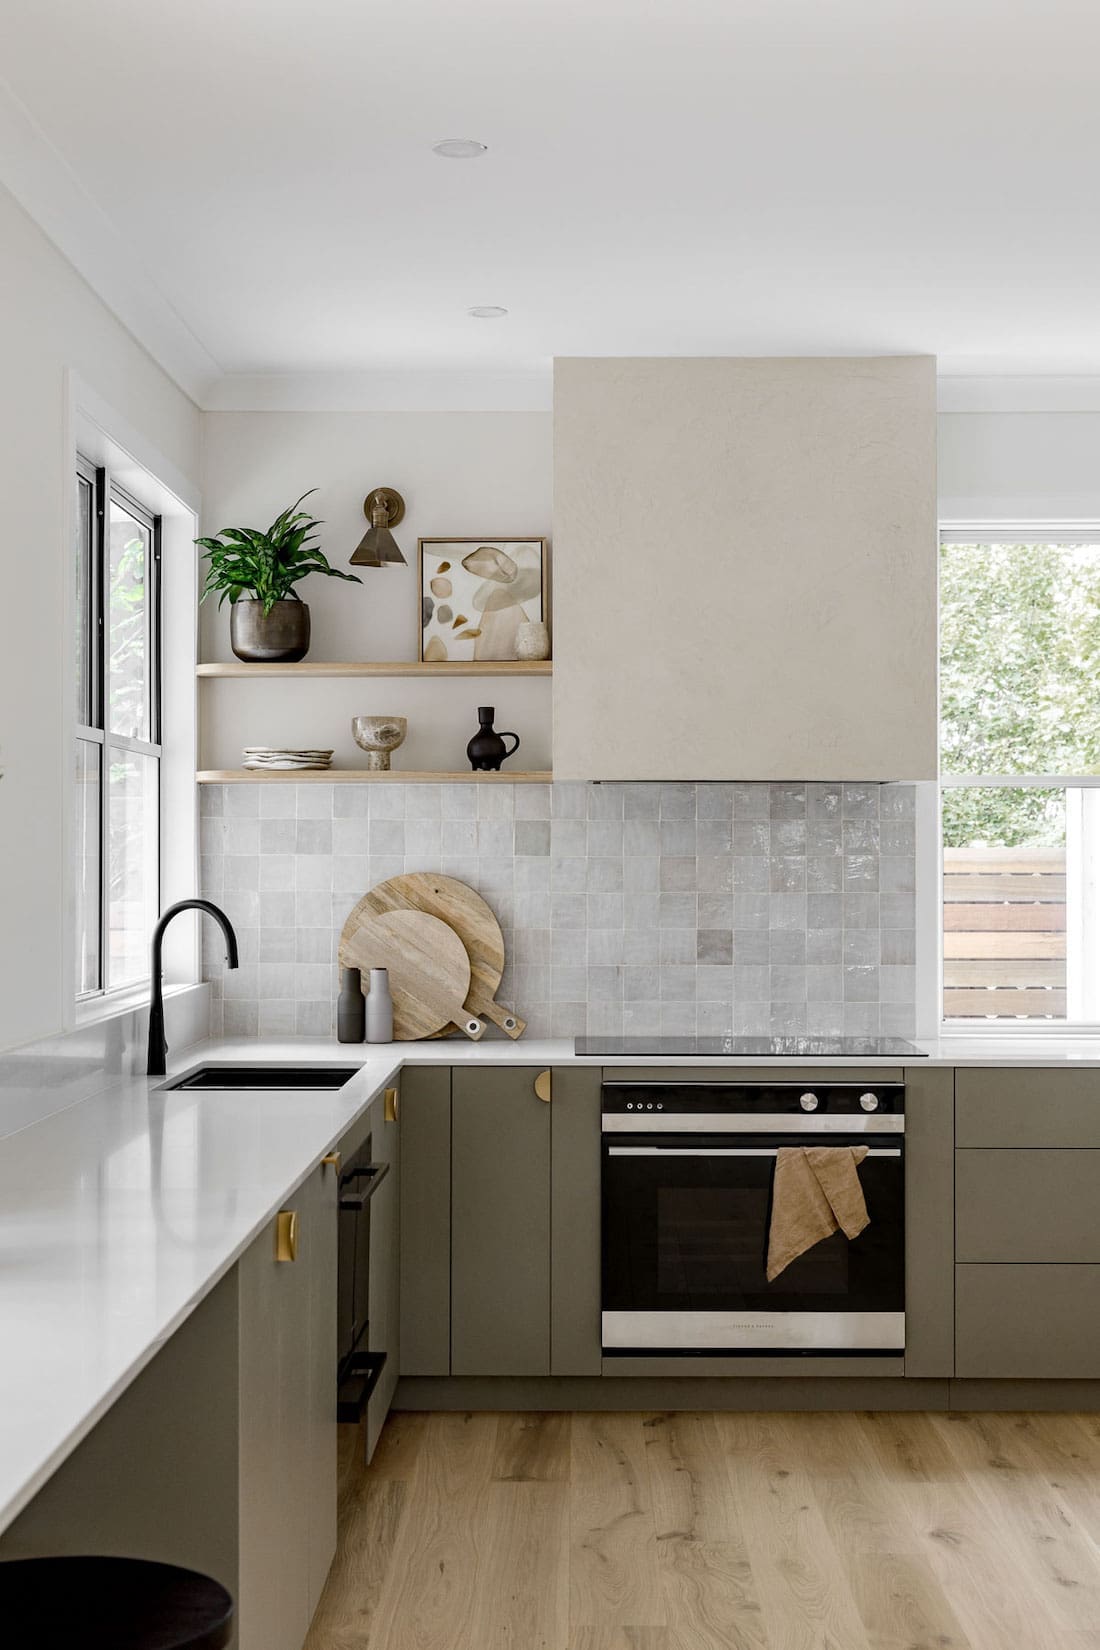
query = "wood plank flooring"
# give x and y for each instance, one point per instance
(718, 1532)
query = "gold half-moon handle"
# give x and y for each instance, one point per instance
(286, 1235)
(389, 1106)
(542, 1086)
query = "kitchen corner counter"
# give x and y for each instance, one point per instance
(119, 1214)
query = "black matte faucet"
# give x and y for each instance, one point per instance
(158, 1046)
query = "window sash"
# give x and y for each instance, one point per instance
(1016, 532)
(96, 584)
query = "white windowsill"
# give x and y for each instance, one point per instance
(95, 1010)
(1001, 1031)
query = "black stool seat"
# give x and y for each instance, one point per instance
(110, 1604)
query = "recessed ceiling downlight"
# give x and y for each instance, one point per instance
(459, 148)
(487, 312)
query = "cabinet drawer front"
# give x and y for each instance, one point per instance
(1027, 1107)
(1027, 1205)
(1027, 1322)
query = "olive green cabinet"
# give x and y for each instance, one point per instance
(425, 1125)
(500, 1222)
(1027, 1240)
(1028, 1322)
(575, 1222)
(287, 1310)
(929, 1213)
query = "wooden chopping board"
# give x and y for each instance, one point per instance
(463, 910)
(428, 968)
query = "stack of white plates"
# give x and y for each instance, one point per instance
(265, 758)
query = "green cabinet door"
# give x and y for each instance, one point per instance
(424, 1122)
(287, 1420)
(500, 1223)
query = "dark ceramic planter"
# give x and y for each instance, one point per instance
(280, 638)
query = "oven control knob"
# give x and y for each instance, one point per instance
(808, 1102)
(869, 1102)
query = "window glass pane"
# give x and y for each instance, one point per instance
(87, 866)
(128, 642)
(84, 600)
(1006, 856)
(132, 865)
(1020, 658)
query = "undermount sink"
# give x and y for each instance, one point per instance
(263, 1077)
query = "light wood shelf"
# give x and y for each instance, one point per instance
(364, 776)
(392, 667)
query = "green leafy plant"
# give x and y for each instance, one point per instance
(246, 564)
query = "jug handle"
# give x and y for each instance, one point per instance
(514, 748)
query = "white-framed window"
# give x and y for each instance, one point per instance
(118, 732)
(1020, 776)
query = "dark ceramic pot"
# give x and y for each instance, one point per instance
(279, 638)
(487, 749)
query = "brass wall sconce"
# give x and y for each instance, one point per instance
(383, 508)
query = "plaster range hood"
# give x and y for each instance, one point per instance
(745, 568)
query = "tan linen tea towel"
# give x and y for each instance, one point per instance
(816, 1193)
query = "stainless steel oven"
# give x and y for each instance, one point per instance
(687, 1195)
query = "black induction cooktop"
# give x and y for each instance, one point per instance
(763, 1048)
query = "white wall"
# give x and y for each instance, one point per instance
(459, 473)
(50, 323)
(1003, 466)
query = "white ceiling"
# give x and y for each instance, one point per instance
(663, 177)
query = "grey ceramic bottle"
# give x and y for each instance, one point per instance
(379, 1008)
(351, 1014)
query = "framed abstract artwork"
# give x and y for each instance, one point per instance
(474, 595)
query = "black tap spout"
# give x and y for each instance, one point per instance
(158, 1045)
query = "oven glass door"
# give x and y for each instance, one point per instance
(685, 1238)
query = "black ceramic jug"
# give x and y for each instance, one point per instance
(487, 749)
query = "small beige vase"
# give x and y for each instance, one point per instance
(532, 641)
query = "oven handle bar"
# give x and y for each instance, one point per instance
(797, 1122)
(724, 1151)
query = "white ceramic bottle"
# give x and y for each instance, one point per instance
(379, 1008)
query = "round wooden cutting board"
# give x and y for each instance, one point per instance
(464, 911)
(429, 970)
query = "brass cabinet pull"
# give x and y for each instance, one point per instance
(389, 1106)
(542, 1086)
(331, 1161)
(286, 1234)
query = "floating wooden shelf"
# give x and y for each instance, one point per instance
(363, 776)
(392, 667)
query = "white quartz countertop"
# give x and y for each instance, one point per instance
(117, 1216)
(120, 1212)
(499, 1050)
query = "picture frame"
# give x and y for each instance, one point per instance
(475, 592)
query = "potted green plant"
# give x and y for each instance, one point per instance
(257, 571)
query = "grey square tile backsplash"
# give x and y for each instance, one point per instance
(678, 908)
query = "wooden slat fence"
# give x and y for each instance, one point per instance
(1004, 919)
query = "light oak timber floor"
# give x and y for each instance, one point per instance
(718, 1532)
